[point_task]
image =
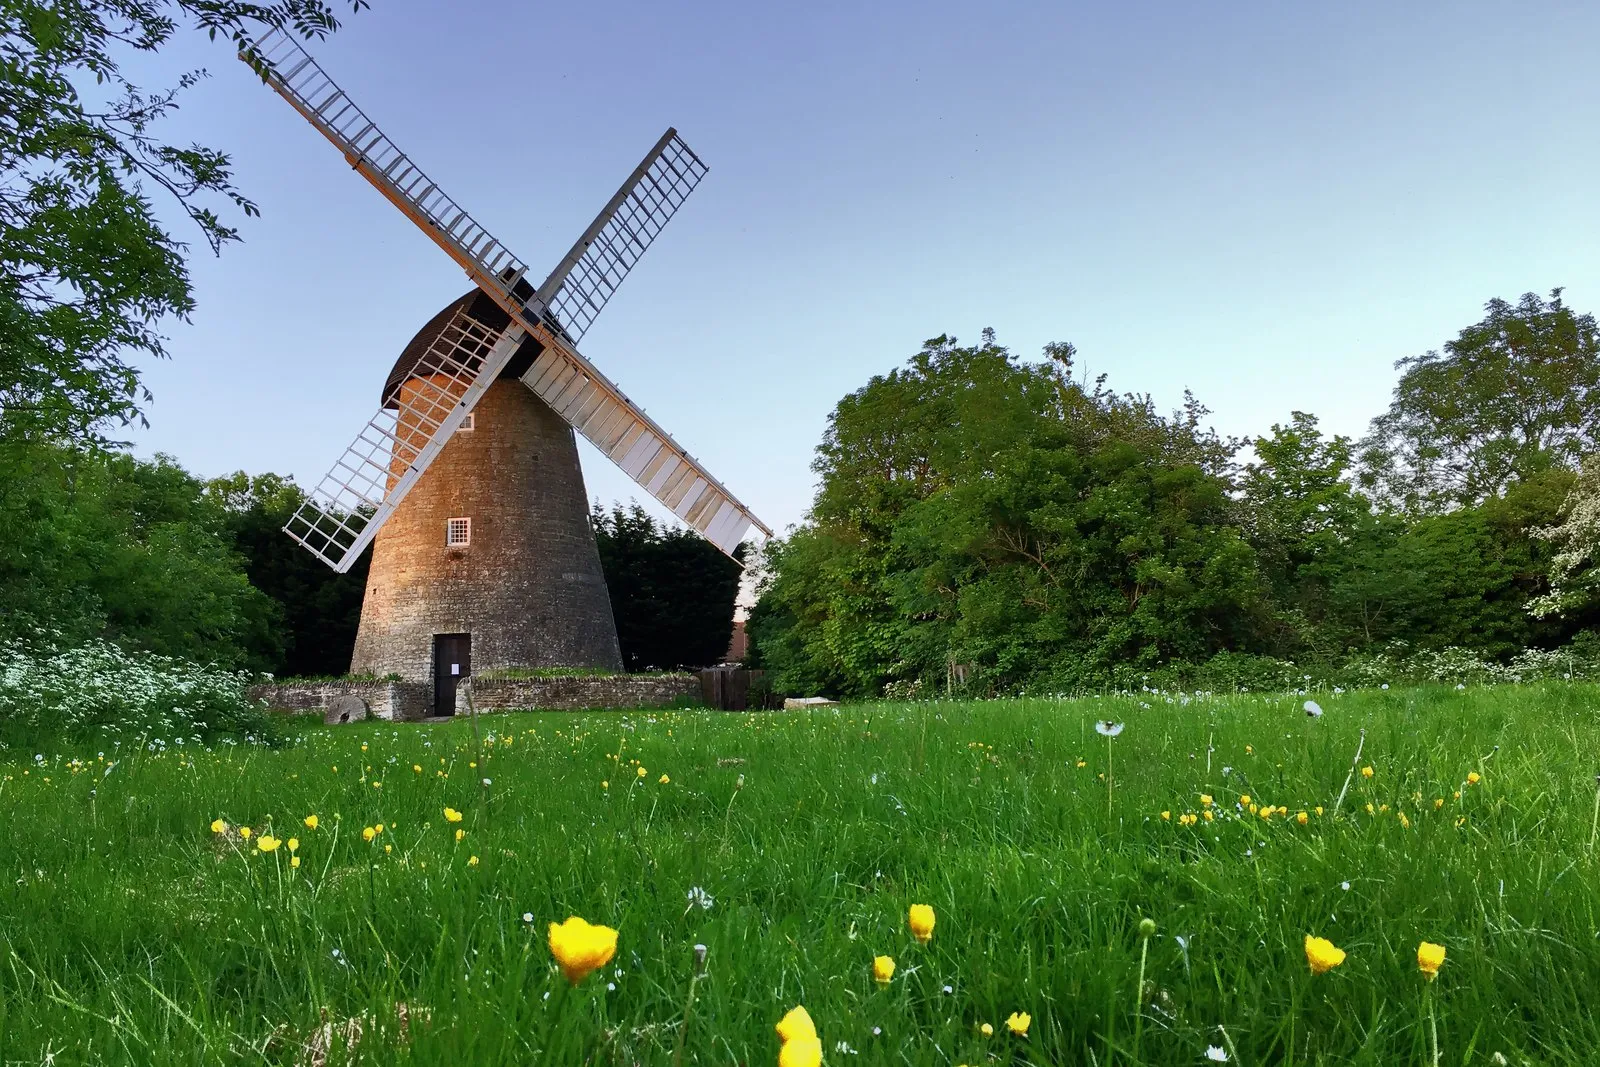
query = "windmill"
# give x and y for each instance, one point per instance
(483, 548)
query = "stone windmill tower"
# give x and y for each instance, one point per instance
(467, 481)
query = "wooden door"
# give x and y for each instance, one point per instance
(452, 661)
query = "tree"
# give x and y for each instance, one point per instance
(672, 592)
(1513, 395)
(976, 509)
(89, 272)
(317, 609)
(1317, 539)
(100, 544)
(1575, 566)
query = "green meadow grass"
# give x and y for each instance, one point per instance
(131, 933)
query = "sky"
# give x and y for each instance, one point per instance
(1265, 203)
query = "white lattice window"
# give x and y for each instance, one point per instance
(458, 533)
(469, 423)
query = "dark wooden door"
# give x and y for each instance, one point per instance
(452, 661)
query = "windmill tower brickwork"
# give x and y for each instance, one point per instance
(493, 544)
(466, 481)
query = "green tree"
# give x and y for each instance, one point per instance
(1575, 565)
(100, 544)
(317, 610)
(672, 592)
(1321, 547)
(1513, 395)
(979, 510)
(89, 272)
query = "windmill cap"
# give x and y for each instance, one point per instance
(416, 361)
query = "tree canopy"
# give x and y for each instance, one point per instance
(88, 272)
(984, 517)
(1513, 395)
(672, 592)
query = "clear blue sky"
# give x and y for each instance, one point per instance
(1267, 203)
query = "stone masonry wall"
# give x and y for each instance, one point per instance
(397, 701)
(529, 588)
(574, 694)
(409, 701)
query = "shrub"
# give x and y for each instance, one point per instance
(99, 688)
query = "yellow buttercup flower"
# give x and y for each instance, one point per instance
(1019, 1022)
(218, 826)
(1323, 955)
(1166, 816)
(1366, 772)
(294, 844)
(882, 970)
(1473, 778)
(1208, 815)
(311, 822)
(801, 1052)
(267, 843)
(663, 779)
(1438, 802)
(1317, 809)
(1245, 800)
(920, 920)
(1430, 958)
(986, 1030)
(1302, 818)
(1206, 800)
(642, 772)
(294, 861)
(460, 834)
(472, 861)
(452, 815)
(245, 832)
(580, 947)
(378, 828)
(797, 1024)
(368, 833)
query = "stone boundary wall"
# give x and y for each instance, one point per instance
(396, 701)
(411, 701)
(577, 693)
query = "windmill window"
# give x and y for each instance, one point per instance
(458, 533)
(469, 423)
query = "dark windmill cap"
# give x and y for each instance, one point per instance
(416, 361)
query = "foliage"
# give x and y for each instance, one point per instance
(984, 518)
(1393, 664)
(132, 698)
(672, 592)
(103, 545)
(130, 925)
(89, 272)
(1575, 567)
(318, 610)
(979, 510)
(1511, 397)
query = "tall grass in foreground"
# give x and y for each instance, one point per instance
(131, 933)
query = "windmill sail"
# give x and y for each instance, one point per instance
(346, 511)
(586, 277)
(343, 513)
